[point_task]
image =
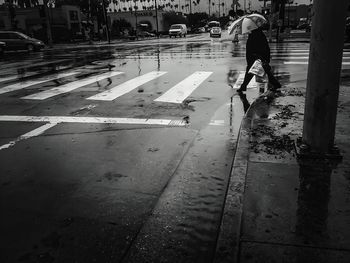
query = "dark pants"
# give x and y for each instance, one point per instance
(248, 76)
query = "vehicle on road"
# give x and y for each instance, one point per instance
(2, 47)
(19, 41)
(347, 30)
(145, 34)
(215, 32)
(212, 24)
(304, 24)
(178, 30)
(199, 30)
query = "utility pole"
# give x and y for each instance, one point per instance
(209, 7)
(325, 61)
(271, 17)
(48, 25)
(89, 23)
(156, 8)
(106, 22)
(219, 8)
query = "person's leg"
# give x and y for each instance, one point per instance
(247, 78)
(272, 80)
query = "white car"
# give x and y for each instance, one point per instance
(179, 30)
(215, 32)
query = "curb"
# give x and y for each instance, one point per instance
(227, 247)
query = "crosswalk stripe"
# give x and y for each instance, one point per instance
(183, 89)
(305, 63)
(33, 133)
(97, 120)
(70, 86)
(3, 79)
(26, 84)
(126, 87)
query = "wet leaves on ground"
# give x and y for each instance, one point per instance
(286, 113)
(270, 142)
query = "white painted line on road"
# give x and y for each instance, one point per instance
(97, 120)
(3, 79)
(70, 86)
(183, 89)
(305, 63)
(24, 75)
(217, 122)
(26, 84)
(28, 135)
(126, 87)
(291, 58)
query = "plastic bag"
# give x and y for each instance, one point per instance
(257, 68)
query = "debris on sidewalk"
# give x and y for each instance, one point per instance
(270, 142)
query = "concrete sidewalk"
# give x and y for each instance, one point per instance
(279, 208)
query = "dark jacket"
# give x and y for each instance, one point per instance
(257, 47)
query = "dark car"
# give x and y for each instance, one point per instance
(19, 41)
(347, 30)
(2, 47)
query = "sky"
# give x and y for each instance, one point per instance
(203, 6)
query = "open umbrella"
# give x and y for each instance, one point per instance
(247, 23)
(236, 26)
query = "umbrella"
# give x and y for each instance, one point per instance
(246, 23)
(236, 26)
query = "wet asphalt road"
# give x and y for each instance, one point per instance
(132, 178)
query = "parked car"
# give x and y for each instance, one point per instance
(347, 30)
(215, 32)
(19, 41)
(199, 30)
(2, 47)
(178, 30)
(145, 34)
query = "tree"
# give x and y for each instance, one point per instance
(173, 18)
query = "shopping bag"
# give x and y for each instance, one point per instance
(257, 68)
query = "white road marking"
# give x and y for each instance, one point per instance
(70, 86)
(126, 87)
(305, 63)
(291, 58)
(97, 120)
(217, 122)
(26, 84)
(182, 90)
(33, 133)
(3, 79)
(25, 75)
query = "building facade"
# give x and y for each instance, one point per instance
(64, 21)
(142, 17)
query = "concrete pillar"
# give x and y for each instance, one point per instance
(326, 51)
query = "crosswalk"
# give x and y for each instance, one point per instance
(111, 85)
(293, 55)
